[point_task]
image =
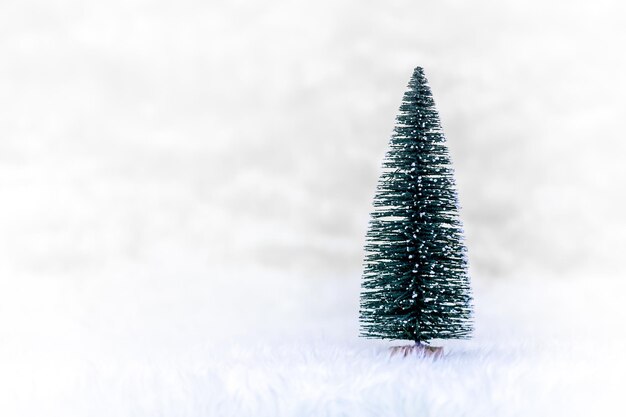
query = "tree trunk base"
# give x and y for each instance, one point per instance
(419, 350)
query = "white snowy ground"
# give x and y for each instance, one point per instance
(273, 348)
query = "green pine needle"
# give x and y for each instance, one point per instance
(415, 282)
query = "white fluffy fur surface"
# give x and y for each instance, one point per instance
(541, 349)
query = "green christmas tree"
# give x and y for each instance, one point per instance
(415, 283)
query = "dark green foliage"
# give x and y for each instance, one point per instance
(415, 282)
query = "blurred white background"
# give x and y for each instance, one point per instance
(251, 133)
(171, 168)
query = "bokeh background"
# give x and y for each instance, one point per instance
(252, 132)
(179, 167)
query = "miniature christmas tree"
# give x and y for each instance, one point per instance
(415, 282)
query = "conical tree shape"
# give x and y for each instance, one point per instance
(415, 282)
